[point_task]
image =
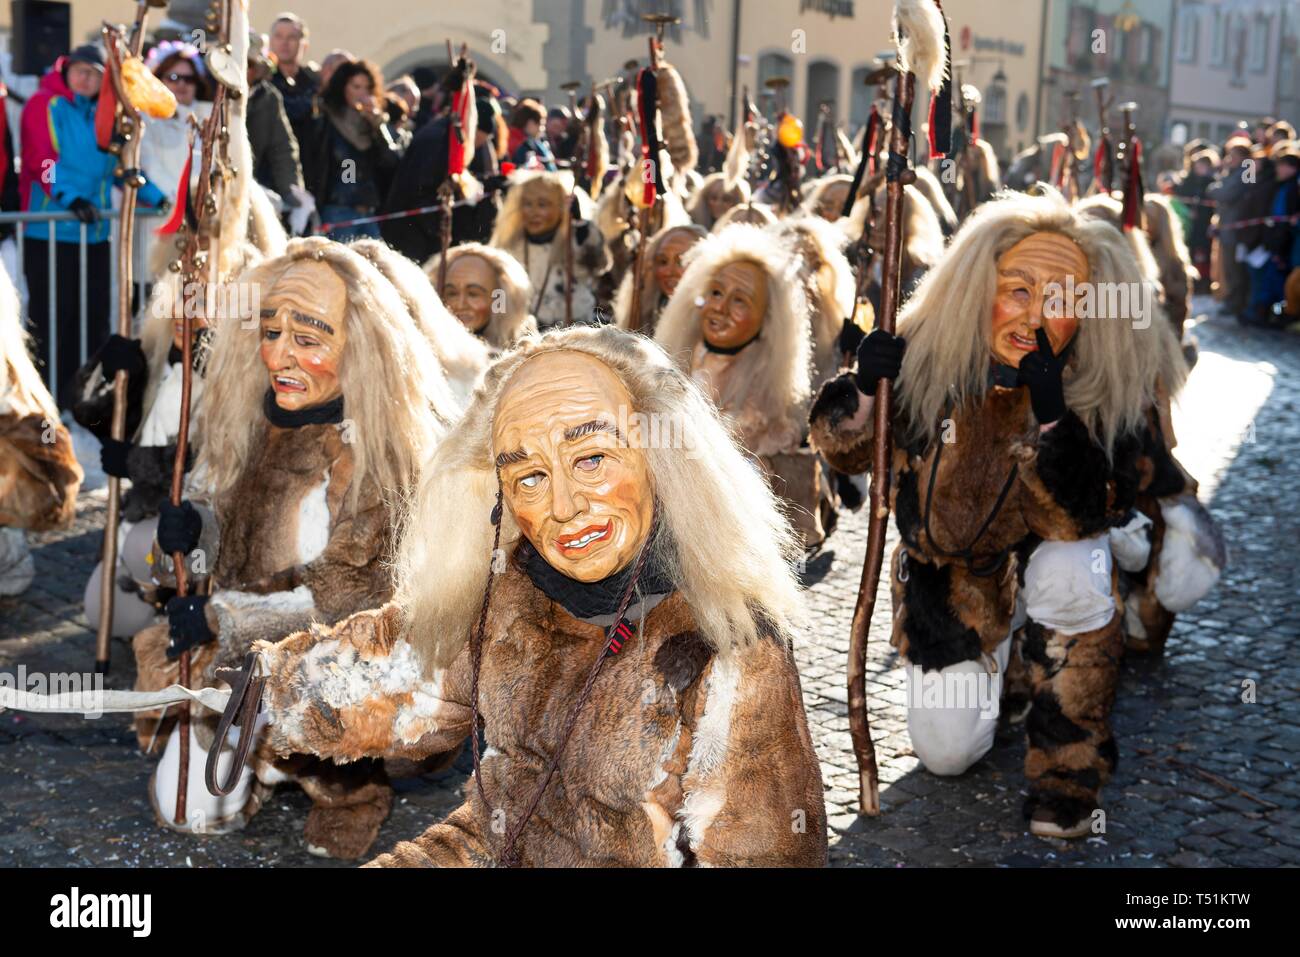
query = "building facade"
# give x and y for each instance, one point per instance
(1233, 60)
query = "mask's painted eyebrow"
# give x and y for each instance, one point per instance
(301, 318)
(1016, 274)
(509, 458)
(589, 428)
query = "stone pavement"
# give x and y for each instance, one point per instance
(1204, 777)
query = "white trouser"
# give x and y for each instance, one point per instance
(952, 712)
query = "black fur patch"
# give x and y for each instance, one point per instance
(1048, 726)
(837, 401)
(1075, 472)
(1109, 753)
(935, 636)
(1167, 478)
(1124, 470)
(681, 658)
(1034, 647)
(907, 506)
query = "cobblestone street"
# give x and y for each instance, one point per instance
(1204, 777)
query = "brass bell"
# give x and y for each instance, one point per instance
(174, 265)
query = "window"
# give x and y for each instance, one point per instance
(823, 87)
(1022, 111)
(1219, 39)
(860, 96)
(1261, 27)
(995, 105)
(772, 65)
(1189, 28)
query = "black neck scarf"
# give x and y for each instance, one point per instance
(329, 413)
(732, 350)
(541, 239)
(595, 599)
(1008, 377)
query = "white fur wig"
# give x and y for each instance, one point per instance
(772, 373)
(650, 291)
(462, 354)
(390, 379)
(828, 279)
(512, 323)
(1115, 366)
(22, 392)
(714, 504)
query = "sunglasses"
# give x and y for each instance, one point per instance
(189, 78)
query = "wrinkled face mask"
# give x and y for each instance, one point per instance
(735, 302)
(303, 335)
(717, 200)
(668, 259)
(471, 286)
(540, 207)
(579, 490)
(1035, 277)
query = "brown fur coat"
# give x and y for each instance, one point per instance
(39, 473)
(679, 757)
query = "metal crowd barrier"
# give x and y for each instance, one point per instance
(20, 221)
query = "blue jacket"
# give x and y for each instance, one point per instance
(62, 161)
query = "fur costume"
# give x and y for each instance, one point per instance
(39, 472)
(299, 520)
(693, 748)
(653, 299)
(697, 207)
(763, 389)
(828, 283)
(544, 262)
(1000, 521)
(462, 355)
(504, 328)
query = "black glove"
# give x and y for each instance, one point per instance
(1041, 372)
(179, 527)
(84, 210)
(112, 457)
(494, 183)
(880, 356)
(121, 354)
(581, 228)
(851, 336)
(187, 625)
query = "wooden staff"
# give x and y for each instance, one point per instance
(128, 123)
(897, 176)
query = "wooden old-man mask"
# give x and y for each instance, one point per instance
(303, 334)
(541, 205)
(579, 490)
(735, 302)
(471, 287)
(1035, 277)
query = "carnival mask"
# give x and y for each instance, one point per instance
(471, 285)
(303, 330)
(831, 202)
(579, 489)
(668, 259)
(1036, 277)
(541, 207)
(716, 198)
(735, 302)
